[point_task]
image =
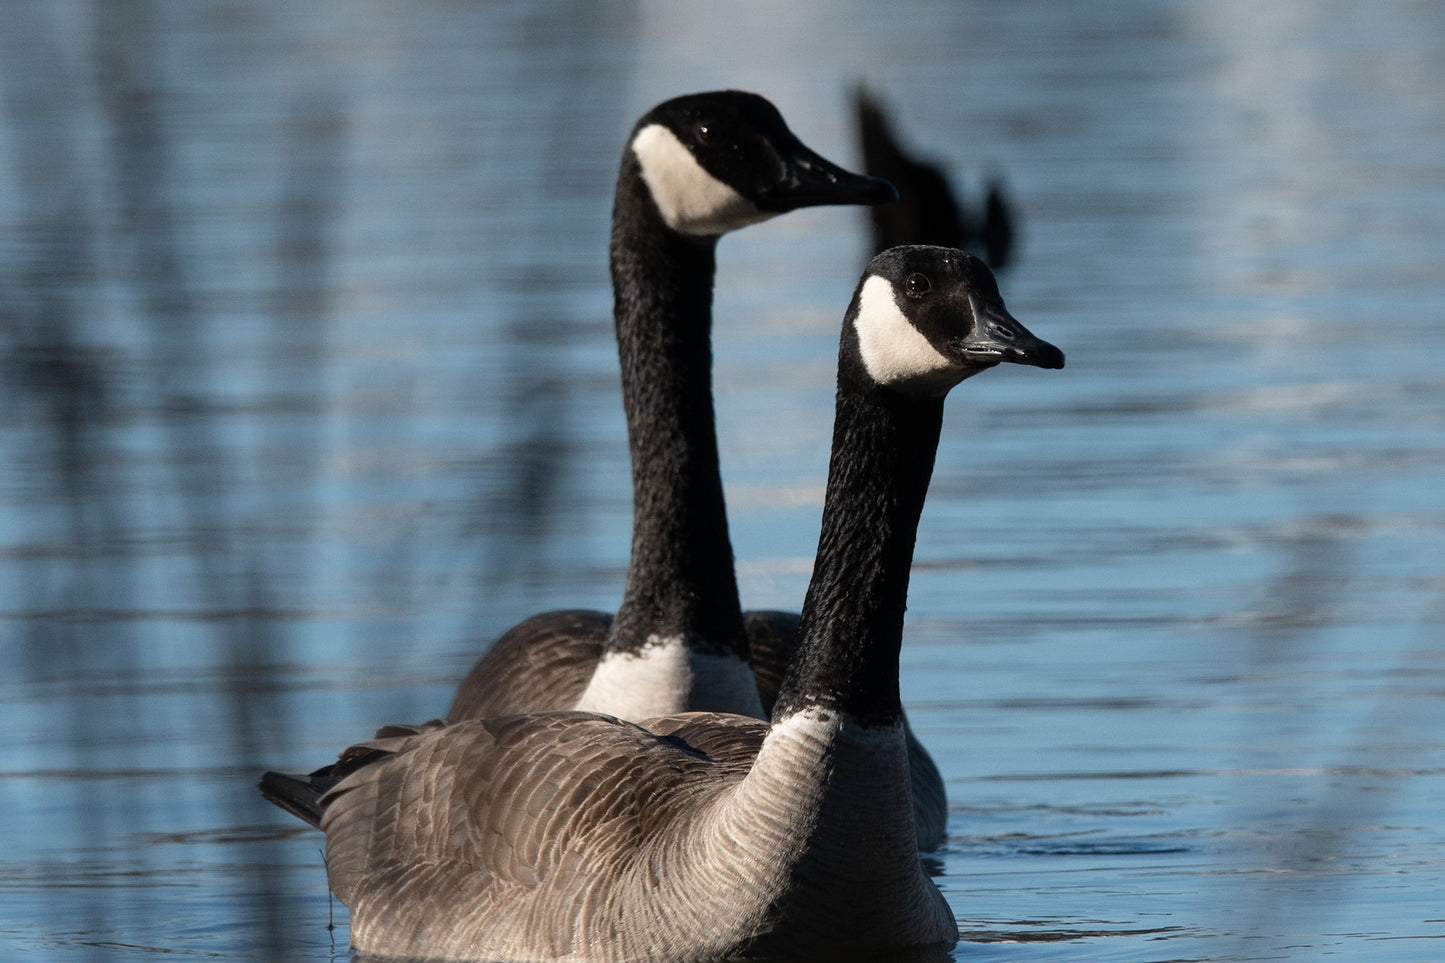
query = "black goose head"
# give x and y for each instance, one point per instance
(925, 318)
(718, 161)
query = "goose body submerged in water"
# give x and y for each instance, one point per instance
(574, 836)
(695, 168)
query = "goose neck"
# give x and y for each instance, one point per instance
(680, 582)
(852, 625)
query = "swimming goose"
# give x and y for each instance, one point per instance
(574, 836)
(928, 211)
(695, 167)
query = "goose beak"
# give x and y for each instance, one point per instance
(997, 337)
(810, 180)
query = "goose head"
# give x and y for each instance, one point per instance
(925, 318)
(718, 161)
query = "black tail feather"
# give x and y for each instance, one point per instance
(299, 795)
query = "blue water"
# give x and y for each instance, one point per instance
(310, 391)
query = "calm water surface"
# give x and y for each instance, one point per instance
(310, 391)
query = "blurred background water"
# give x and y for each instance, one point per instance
(309, 390)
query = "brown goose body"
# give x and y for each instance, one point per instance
(574, 836)
(599, 840)
(545, 663)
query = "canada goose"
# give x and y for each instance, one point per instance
(574, 836)
(928, 211)
(694, 168)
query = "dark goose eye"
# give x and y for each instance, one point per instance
(917, 286)
(705, 133)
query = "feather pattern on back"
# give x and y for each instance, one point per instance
(574, 836)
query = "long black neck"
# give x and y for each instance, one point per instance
(852, 629)
(680, 582)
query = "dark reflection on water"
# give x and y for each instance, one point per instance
(305, 349)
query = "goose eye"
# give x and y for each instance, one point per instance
(917, 286)
(705, 133)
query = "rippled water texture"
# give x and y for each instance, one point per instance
(309, 391)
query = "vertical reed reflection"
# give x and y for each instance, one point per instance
(310, 200)
(1305, 870)
(528, 475)
(134, 446)
(231, 570)
(73, 489)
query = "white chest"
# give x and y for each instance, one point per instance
(666, 676)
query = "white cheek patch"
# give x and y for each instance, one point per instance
(691, 200)
(894, 351)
